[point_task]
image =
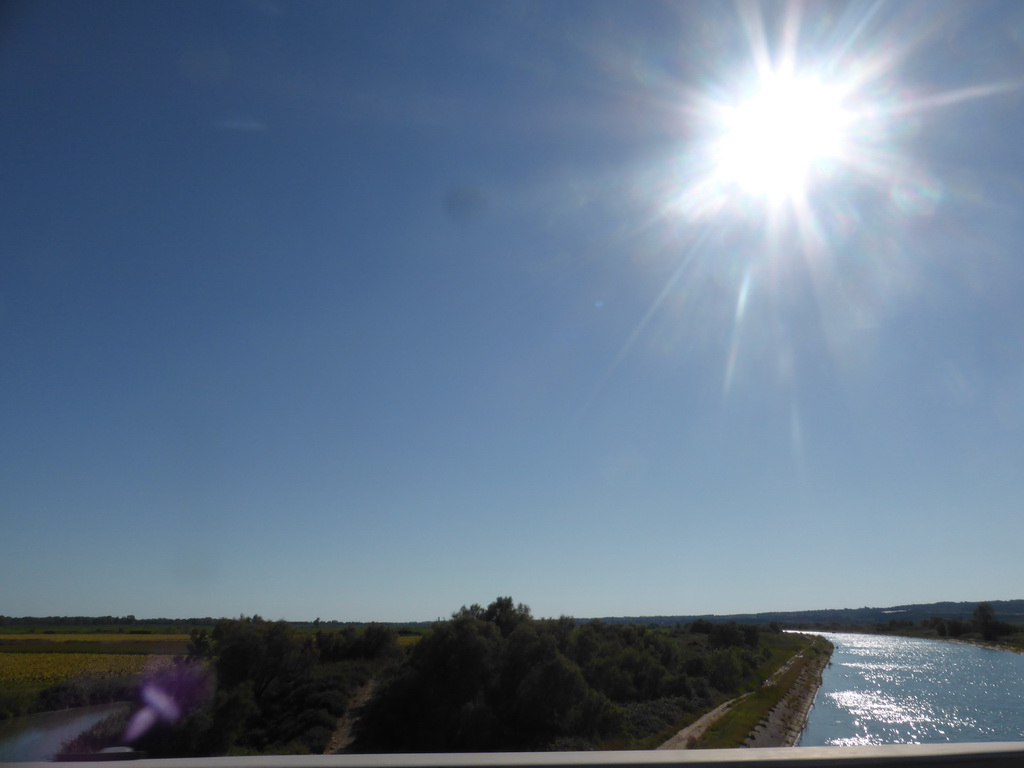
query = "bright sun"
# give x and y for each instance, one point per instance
(774, 144)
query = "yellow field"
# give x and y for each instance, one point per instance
(54, 667)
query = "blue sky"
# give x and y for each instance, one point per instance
(366, 311)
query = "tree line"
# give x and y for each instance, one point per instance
(489, 678)
(495, 678)
(983, 624)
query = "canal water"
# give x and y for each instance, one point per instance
(897, 690)
(40, 736)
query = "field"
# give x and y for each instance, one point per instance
(35, 668)
(102, 643)
(45, 667)
(45, 670)
(93, 637)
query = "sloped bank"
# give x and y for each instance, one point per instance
(772, 716)
(788, 718)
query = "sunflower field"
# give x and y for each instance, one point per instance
(19, 668)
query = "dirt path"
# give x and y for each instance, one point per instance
(692, 732)
(343, 737)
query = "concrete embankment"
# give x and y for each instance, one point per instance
(782, 725)
(786, 721)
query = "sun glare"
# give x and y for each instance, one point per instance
(796, 167)
(774, 144)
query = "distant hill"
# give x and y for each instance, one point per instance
(1006, 610)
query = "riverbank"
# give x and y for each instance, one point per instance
(772, 716)
(788, 718)
(1014, 645)
(991, 645)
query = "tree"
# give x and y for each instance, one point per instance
(375, 641)
(264, 696)
(437, 701)
(486, 679)
(506, 614)
(985, 621)
(725, 669)
(261, 653)
(199, 644)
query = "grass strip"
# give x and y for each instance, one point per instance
(739, 722)
(785, 648)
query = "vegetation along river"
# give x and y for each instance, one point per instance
(882, 689)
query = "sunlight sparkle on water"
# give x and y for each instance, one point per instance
(892, 690)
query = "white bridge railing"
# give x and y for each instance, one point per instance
(991, 755)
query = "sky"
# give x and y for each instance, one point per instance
(370, 310)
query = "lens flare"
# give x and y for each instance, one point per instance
(794, 208)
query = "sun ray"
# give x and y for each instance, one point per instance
(950, 98)
(753, 26)
(677, 274)
(737, 322)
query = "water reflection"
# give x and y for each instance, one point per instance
(893, 690)
(41, 736)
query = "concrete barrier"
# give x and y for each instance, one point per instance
(991, 755)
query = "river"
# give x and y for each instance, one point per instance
(881, 689)
(40, 736)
